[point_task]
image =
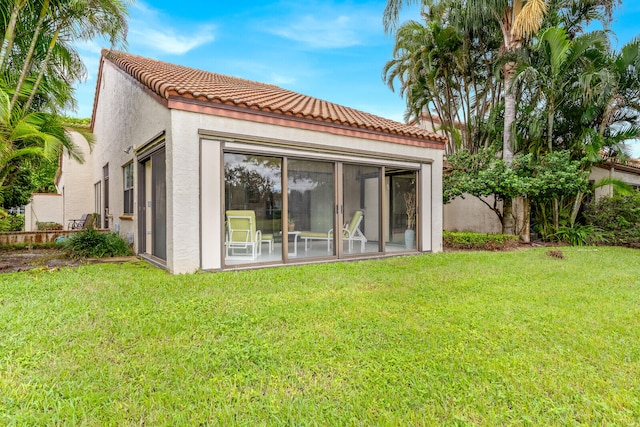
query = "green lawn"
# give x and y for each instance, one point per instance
(482, 338)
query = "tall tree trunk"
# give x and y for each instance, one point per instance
(43, 67)
(576, 207)
(550, 122)
(508, 222)
(28, 61)
(524, 219)
(509, 113)
(10, 32)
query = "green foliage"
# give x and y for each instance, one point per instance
(618, 217)
(541, 179)
(554, 175)
(580, 235)
(93, 244)
(478, 241)
(27, 175)
(12, 222)
(481, 174)
(48, 225)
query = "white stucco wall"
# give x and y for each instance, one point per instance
(76, 182)
(125, 116)
(43, 208)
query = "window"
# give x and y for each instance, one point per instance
(128, 188)
(105, 179)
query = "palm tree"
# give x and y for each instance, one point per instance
(38, 66)
(563, 72)
(517, 19)
(443, 71)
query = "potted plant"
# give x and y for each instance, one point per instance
(292, 224)
(410, 234)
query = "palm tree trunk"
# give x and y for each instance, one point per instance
(28, 61)
(525, 220)
(43, 67)
(550, 122)
(576, 207)
(509, 113)
(10, 32)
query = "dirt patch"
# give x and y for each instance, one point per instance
(28, 259)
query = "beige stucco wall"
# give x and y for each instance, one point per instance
(43, 208)
(76, 182)
(598, 173)
(125, 116)
(471, 214)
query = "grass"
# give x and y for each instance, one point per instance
(517, 338)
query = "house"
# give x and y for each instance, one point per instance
(629, 173)
(210, 172)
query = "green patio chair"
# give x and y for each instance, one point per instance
(242, 240)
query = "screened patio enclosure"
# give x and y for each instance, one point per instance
(287, 209)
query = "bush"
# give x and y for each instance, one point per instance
(580, 235)
(93, 244)
(12, 222)
(49, 225)
(479, 241)
(618, 217)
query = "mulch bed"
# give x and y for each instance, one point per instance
(15, 260)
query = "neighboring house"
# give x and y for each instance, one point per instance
(628, 173)
(186, 161)
(74, 182)
(44, 207)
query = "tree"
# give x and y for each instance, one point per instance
(516, 19)
(517, 22)
(443, 70)
(539, 180)
(38, 67)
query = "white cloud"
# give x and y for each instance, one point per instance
(338, 32)
(145, 33)
(169, 40)
(280, 80)
(327, 24)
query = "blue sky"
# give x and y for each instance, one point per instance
(334, 50)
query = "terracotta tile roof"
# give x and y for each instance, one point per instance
(174, 80)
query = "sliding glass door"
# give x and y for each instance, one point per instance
(400, 231)
(253, 209)
(311, 201)
(361, 209)
(280, 209)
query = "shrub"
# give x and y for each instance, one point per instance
(93, 244)
(48, 225)
(618, 217)
(12, 222)
(479, 241)
(580, 235)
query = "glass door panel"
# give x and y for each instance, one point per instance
(400, 231)
(253, 209)
(361, 209)
(311, 204)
